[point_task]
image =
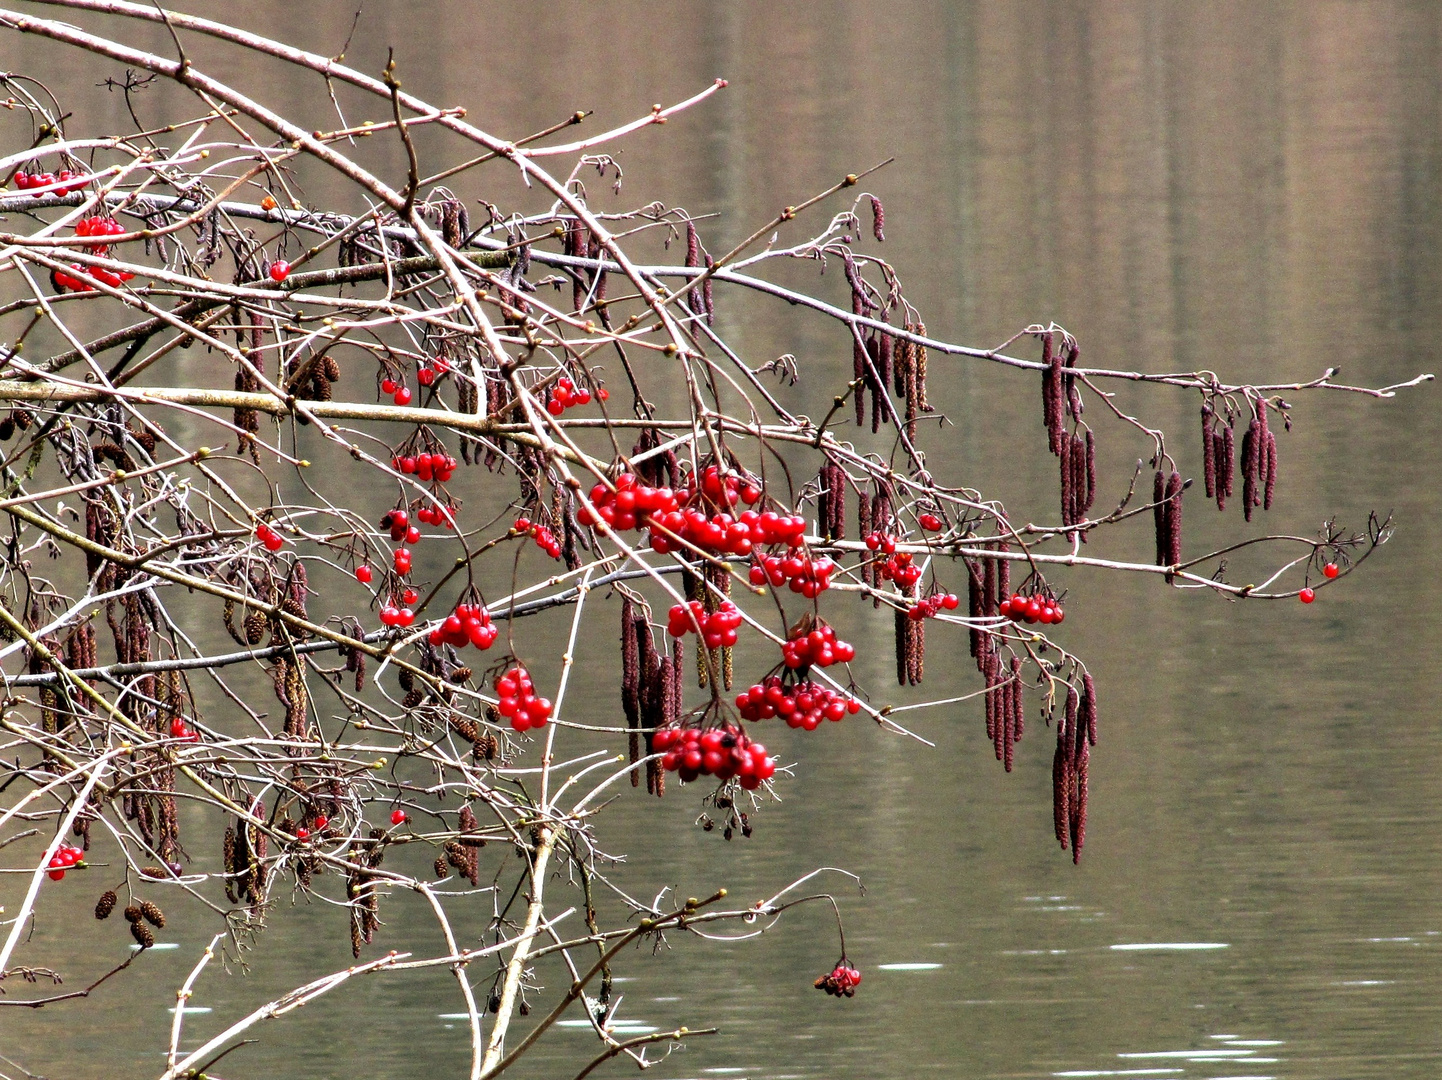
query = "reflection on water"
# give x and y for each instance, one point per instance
(1249, 188)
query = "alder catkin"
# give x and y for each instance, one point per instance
(1068, 496)
(1159, 515)
(1226, 465)
(1271, 457)
(1089, 707)
(878, 218)
(1174, 521)
(1018, 703)
(1209, 453)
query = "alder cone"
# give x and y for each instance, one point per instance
(152, 913)
(141, 933)
(106, 904)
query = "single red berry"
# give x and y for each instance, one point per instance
(402, 396)
(1307, 596)
(1331, 570)
(55, 875)
(425, 376)
(364, 574)
(398, 816)
(279, 270)
(389, 386)
(302, 833)
(321, 821)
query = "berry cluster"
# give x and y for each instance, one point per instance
(880, 541)
(399, 392)
(429, 373)
(800, 573)
(693, 514)
(1031, 609)
(819, 646)
(98, 226)
(269, 537)
(402, 560)
(396, 616)
(564, 395)
(544, 537)
(179, 729)
(802, 705)
(722, 752)
(927, 607)
(519, 703)
(25, 181)
(900, 568)
(399, 524)
(426, 467)
(469, 624)
(64, 858)
(718, 628)
(841, 981)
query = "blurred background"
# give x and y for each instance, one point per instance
(1250, 188)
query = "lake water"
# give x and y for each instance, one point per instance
(1248, 188)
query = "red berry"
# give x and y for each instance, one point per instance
(398, 816)
(1330, 570)
(389, 386)
(364, 574)
(55, 875)
(402, 396)
(1307, 596)
(425, 376)
(321, 821)
(302, 833)
(279, 270)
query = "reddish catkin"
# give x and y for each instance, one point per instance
(885, 358)
(878, 218)
(864, 529)
(1089, 707)
(1079, 809)
(1058, 404)
(1174, 521)
(919, 362)
(1227, 465)
(1068, 495)
(1073, 395)
(988, 700)
(1048, 399)
(1003, 574)
(878, 388)
(1089, 469)
(974, 602)
(631, 681)
(903, 367)
(708, 300)
(1263, 432)
(1209, 452)
(1159, 515)
(1271, 455)
(1061, 788)
(1249, 470)
(1008, 721)
(903, 637)
(990, 602)
(1018, 704)
(858, 357)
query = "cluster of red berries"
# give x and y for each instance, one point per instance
(396, 616)
(402, 560)
(929, 522)
(841, 981)
(928, 607)
(64, 858)
(819, 646)
(1031, 609)
(718, 628)
(81, 279)
(802, 705)
(519, 703)
(564, 395)
(426, 467)
(399, 524)
(469, 624)
(544, 537)
(25, 181)
(900, 568)
(428, 374)
(179, 729)
(723, 752)
(690, 513)
(98, 226)
(802, 574)
(879, 541)
(269, 537)
(400, 393)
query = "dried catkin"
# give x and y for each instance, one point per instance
(1073, 395)
(919, 364)
(878, 218)
(858, 356)
(1048, 399)
(864, 529)
(1089, 707)
(1061, 787)
(1209, 453)
(974, 603)
(1159, 515)
(1227, 467)
(878, 388)
(631, 682)
(1089, 466)
(885, 358)
(1008, 722)
(902, 624)
(1174, 521)
(1271, 457)
(1003, 575)
(1068, 495)
(1249, 469)
(1018, 704)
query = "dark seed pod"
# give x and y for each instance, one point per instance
(106, 904)
(1209, 453)
(141, 933)
(1174, 522)
(1159, 515)
(132, 913)
(1089, 467)
(21, 419)
(7, 429)
(919, 361)
(153, 915)
(858, 359)
(154, 872)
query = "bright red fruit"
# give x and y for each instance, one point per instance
(364, 574)
(1307, 596)
(398, 816)
(1330, 570)
(279, 270)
